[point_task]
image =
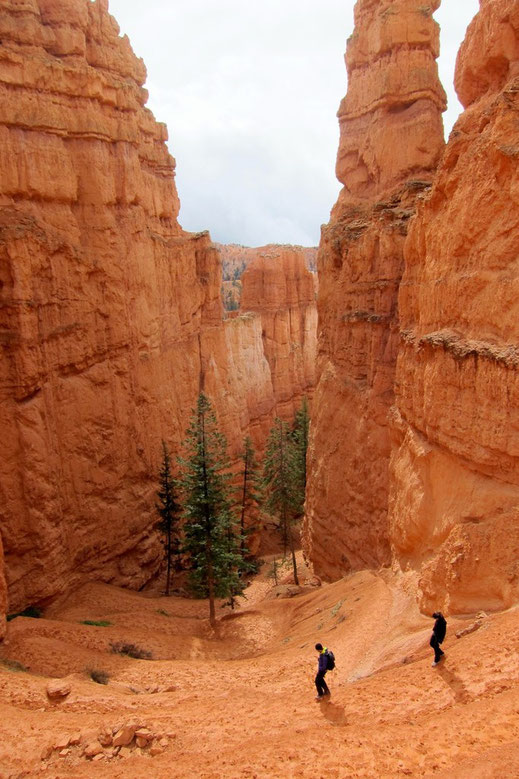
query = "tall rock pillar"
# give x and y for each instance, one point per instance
(390, 145)
(454, 506)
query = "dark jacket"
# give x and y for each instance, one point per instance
(440, 628)
(323, 662)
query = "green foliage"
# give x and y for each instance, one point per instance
(281, 484)
(169, 512)
(31, 611)
(101, 677)
(275, 569)
(230, 303)
(98, 623)
(130, 650)
(163, 612)
(300, 434)
(249, 491)
(336, 607)
(13, 665)
(209, 538)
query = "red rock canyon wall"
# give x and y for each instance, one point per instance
(278, 286)
(454, 509)
(111, 317)
(390, 143)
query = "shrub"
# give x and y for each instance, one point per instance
(101, 677)
(30, 611)
(130, 650)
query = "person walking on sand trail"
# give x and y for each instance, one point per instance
(438, 635)
(322, 687)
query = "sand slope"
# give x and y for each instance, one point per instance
(241, 704)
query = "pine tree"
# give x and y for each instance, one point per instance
(249, 491)
(280, 481)
(300, 433)
(169, 511)
(208, 522)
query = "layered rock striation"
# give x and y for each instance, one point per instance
(103, 299)
(454, 510)
(111, 318)
(390, 144)
(280, 289)
(236, 258)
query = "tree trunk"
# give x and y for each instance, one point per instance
(243, 501)
(168, 572)
(294, 564)
(210, 587)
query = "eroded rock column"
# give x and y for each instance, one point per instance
(390, 144)
(454, 508)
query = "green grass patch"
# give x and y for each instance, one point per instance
(98, 623)
(13, 665)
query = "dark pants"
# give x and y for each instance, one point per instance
(322, 687)
(436, 646)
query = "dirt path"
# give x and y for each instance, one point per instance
(242, 704)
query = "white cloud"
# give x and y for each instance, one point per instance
(250, 92)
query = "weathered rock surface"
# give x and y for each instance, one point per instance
(103, 300)
(111, 314)
(455, 468)
(3, 592)
(278, 286)
(236, 258)
(390, 144)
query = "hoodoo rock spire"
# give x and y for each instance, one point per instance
(390, 145)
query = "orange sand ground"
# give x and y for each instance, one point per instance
(242, 704)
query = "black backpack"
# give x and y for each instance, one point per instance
(330, 660)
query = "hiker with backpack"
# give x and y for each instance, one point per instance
(438, 635)
(326, 661)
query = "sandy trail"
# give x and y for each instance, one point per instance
(242, 704)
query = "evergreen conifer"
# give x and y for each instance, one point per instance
(169, 512)
(280, 482)
(209, 539)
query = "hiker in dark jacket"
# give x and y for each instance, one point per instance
(438, 635)
(322, 687)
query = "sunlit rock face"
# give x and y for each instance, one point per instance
(279, 287)
(454, 508)
(111, 315)
(103, 301)
(236, 258)
(390, 145)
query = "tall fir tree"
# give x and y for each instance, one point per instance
(208, 538)
(300, 434)
(168, 509)
(250, 491)
(280, 482)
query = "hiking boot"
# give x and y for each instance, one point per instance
(319, 697)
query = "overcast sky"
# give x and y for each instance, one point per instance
(249, 92)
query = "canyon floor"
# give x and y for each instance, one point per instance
(241, 703)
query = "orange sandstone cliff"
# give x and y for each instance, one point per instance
(236, 258)
(279, 287)
(454, 509)
(110, 315)
(103, 300)
(390, 144)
